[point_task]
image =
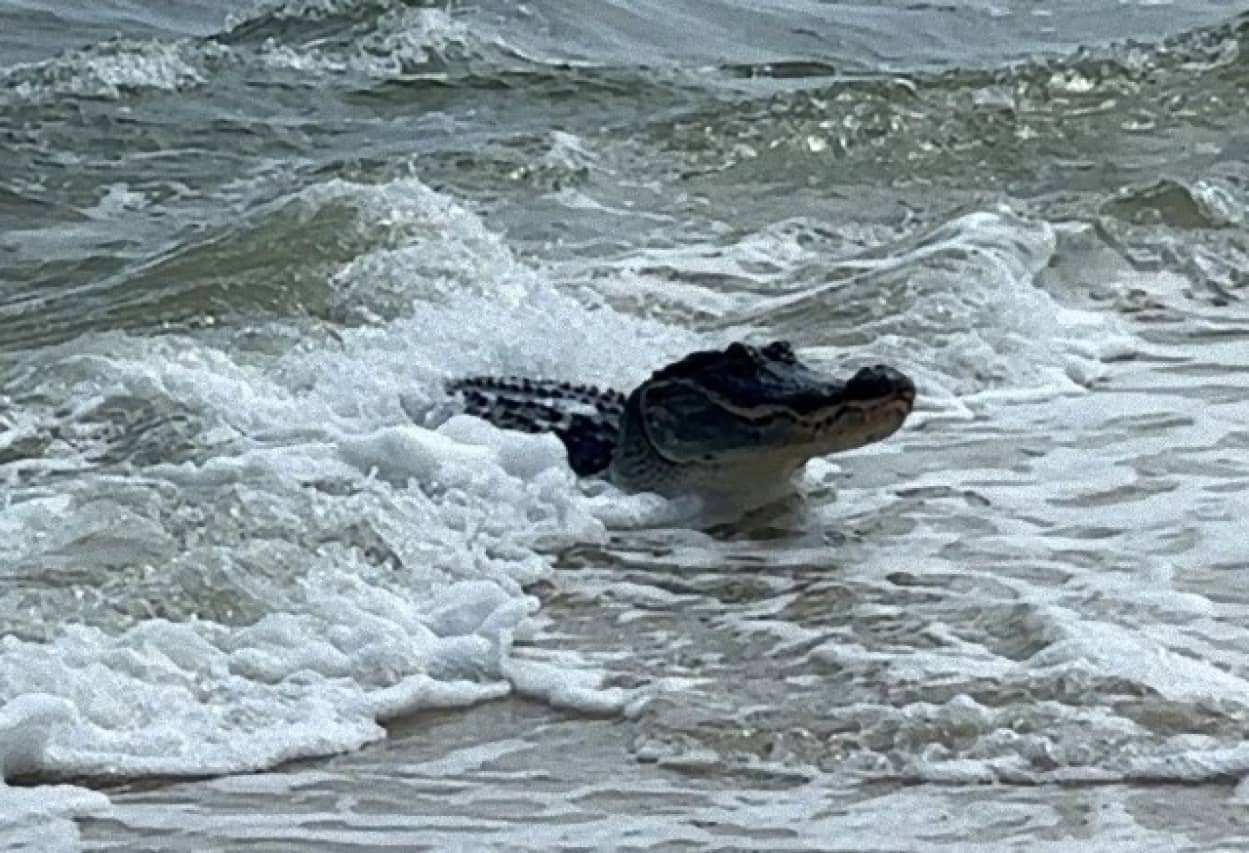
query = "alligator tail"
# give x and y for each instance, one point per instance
(585, 418)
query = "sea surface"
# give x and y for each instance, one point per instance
(259, 590)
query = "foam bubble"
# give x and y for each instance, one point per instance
(26, 723)
(563, 687)
(116, 199)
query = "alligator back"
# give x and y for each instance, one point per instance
(585, 418)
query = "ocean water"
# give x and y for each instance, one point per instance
(259, 591)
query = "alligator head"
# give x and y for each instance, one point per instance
(758, 409)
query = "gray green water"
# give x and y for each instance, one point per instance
(254, 597)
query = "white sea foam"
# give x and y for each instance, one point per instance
(325, 564)
(40, 815)
(105, 71)
(975, 319)
(116, 199)
(960, 308)
(403, 41)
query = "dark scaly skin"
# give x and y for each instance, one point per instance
(586, 419)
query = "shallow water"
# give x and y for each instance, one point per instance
(241, 247)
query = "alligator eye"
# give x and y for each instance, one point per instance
(740, 351)
(781, 351)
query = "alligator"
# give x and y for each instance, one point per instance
(744, 418)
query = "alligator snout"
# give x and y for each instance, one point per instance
(877, 381)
